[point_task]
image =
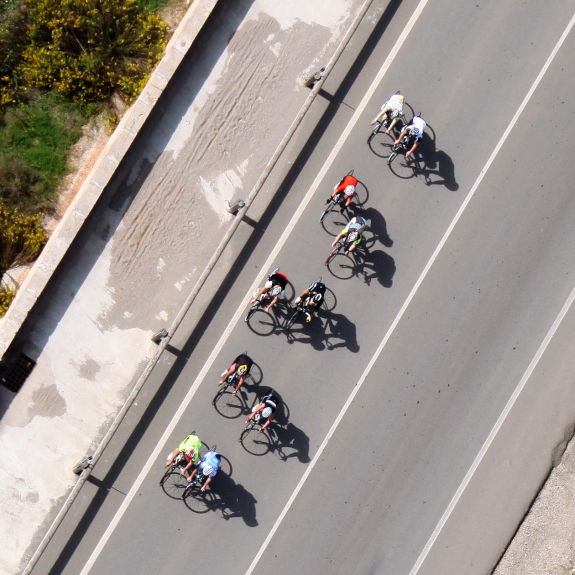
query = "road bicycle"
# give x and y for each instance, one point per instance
(343, 245)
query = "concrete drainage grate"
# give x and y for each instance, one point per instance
(17, 372)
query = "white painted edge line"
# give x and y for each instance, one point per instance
(493, 433)
(409, 298)
(520, 386)
(391, 56)
(240, 312)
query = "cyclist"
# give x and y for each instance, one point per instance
(415, 133)
(347, 186)
(311, 298)
(267, 408)
(190, 447)
(209, 466)
(392, 109)
(356, 224)
(241, 365)
(274, 288)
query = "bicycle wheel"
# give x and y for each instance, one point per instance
(255, 442)
(333, 253)
(392, 156)
(330, 206)
(227, 404)
(376, 129)
(196, 500)
(173, 483)
(381, 144)
(251, 311)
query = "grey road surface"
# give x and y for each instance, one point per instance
(431, 395)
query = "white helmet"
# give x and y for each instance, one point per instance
(276, 290)
(349, 190)
(267, 411)
(207, 470)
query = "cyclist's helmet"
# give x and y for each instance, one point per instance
(242, 369)
(349, 190)
(317, 297)
(352, 236)
(317, 287)
(266, 412)
(415, 131)
(207, 470)
(276, 290)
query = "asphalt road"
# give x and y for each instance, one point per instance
(423, 411)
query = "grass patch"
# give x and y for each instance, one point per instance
(35, 140)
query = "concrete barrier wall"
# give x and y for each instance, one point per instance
(117, 147)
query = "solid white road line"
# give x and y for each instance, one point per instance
(512, 400)
(240, 312)
(404, 307)
(493, 433)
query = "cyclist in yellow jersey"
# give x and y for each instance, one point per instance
(190, 448)
(241, 365)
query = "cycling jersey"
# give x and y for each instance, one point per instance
(243, 360)
(347, 185)
(277, 279)
(211, 459)
(419, 123)
(190, 447)
(357, 224)
(394, 104)
(271, 401)
(315, 297)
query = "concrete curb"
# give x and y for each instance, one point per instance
(118, 145)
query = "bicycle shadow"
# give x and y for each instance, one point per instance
(380, 264)
(311, 334)
(377, 226)
(294, 439)
(432, 162)
(234, 500)
(340, 328)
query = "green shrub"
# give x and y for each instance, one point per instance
(87, 50)
(6, 298)
(21, 238)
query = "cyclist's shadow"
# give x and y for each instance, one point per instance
(376, 264)
(434, 162)
(312, 334)
(234, 500)
(292, 438)
(339, 327)
(377, 227)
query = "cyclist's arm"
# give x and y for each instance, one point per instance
(257, 409)
(240, 383)
(269, 420)
(339, 236)
(413, 148)
(272, 303)
(194, 472)
(206, 483)
(401, 136)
